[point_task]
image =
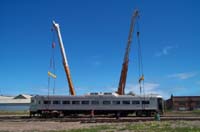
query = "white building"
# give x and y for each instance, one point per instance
(15, 103)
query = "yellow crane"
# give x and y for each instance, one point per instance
(122, 81)
(64, 58)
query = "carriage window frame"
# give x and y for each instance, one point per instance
(66, 102)
(85, 102)
(135, 102)
(95, 102)
(75, 102)
(106, 102)
(146, 102)
(116, 102)
(56, 102)
(47, 102)
(126, 102)
(32, 101)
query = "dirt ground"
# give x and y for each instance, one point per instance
(42, 126)
(18, 124)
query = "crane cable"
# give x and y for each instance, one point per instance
(52, 67)
(140, 64)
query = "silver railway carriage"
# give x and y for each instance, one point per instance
(107, 103)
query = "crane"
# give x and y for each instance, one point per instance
(122, 81)
(64, 58)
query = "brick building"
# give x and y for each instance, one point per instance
(183, 103)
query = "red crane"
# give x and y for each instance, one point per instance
(122, 81)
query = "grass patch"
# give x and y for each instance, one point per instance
(161, 127)
(183, 113)
(90, 129)
(2, 112)
(196, 112)
(153, 126)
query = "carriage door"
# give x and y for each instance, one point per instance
(160, 105)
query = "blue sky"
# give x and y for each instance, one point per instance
(95, 35)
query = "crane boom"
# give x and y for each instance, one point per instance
(122, 81)
(64, 58)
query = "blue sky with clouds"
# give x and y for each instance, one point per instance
(95, 36)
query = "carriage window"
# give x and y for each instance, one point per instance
(75, 102)
(126, 102)
(47, 102)
(115, 102)
(56, 102)
(135, 102)
(106, 102)
(85, 102)
(95, 102)
(65, 102)
(145, 102)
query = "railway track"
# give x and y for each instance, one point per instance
(139, 119)
(92, 120)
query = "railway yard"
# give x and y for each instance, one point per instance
(172, 121)
(124, 107)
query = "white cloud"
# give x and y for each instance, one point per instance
(183, 76)
(149, 88)
(165, 51)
